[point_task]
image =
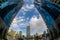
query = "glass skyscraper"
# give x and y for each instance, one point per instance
(8, 10)
(50, 11)
(28, 32)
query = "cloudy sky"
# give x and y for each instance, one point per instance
(28, 15)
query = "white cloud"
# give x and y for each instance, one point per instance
(17, 22)
(27, 18)
(29, 6)
(37, 25)
(26, 8)
(29, 1)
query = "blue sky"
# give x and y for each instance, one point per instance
(28, 15)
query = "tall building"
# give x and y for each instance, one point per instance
(50, 11)
(11, 35)
(20, 34)
(37, 36)
(28, 32)
(8, 10)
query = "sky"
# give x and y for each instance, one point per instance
(28, 15)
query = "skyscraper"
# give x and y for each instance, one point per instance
(28, 32)
(20, 34)
(8, 10)
(49, 11)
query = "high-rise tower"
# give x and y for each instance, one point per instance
(50, 12)
(8, 10)
(28, 32)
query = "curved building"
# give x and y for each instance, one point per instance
(8, 10)
(50, 11)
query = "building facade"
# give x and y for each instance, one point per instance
(20, 34)
(50, 11)
(8, 10)
(28, 32)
